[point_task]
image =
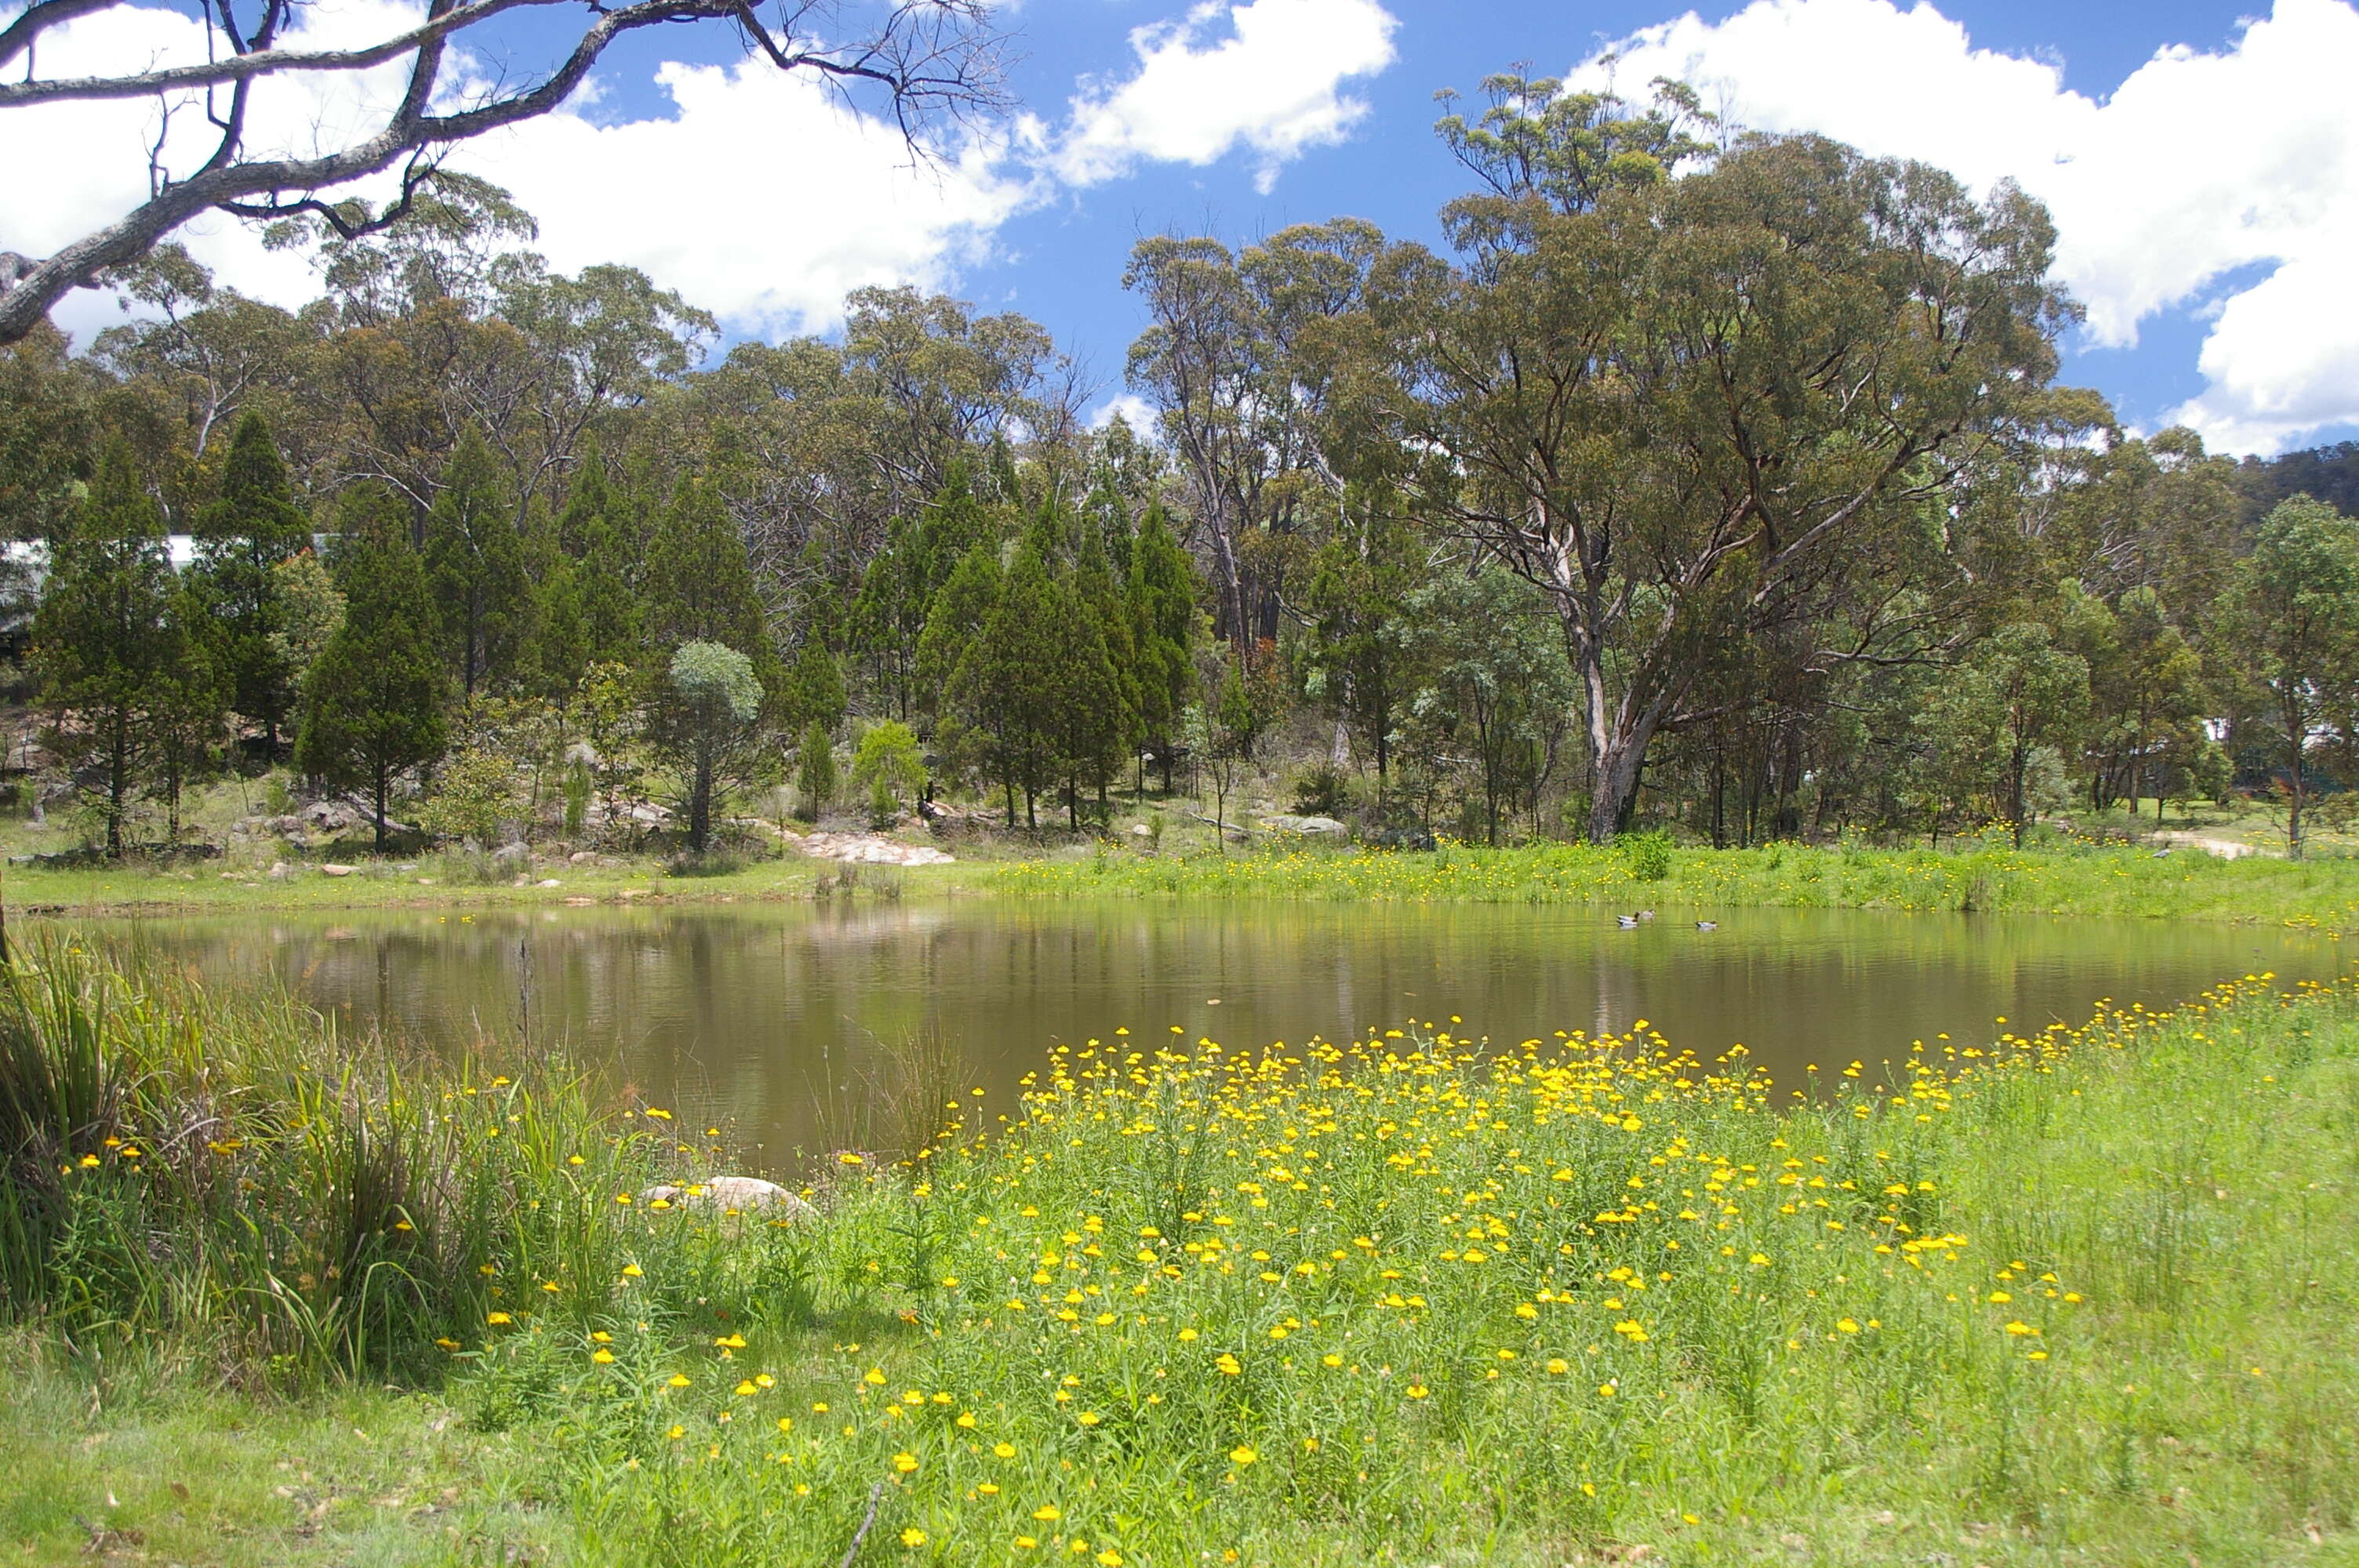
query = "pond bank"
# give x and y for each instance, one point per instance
(2078, 1291)
(2069, 879)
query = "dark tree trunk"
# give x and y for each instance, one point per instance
(380, 807)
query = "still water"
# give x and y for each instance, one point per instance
(775, 1018)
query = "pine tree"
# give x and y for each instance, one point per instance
(814, 689)
(103, 636)
(1005, 686)
(1105, 616)
(374, 704)
(954, 623)
(187, 703)
(240, 538)
(1161, 593)
(700, 584)
(475, 568)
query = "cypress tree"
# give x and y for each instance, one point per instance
(476, 568)
(253, 526)
(1161, 591)
(700, 583)
(103, 634)
(373, 703)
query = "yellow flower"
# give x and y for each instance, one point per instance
(603, 1355)
(1418, 1390)
(874, 1375)
(1025, 1543)
(905, 1463)
(1606, 1391)
(1046, 1513)
(850, 1160)
(1847, 1325)
(633, 1271)
(1089, 1418)
(1003, 1450)
(1558, 1366)
(913, 1536)
(676, 1433)
(678, 1379)
(1242, 1453)
(499, 1318)
(1331, 1360)
(1110, 1558)
(745, 1387)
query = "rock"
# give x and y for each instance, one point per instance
(581, 857)
(872, 850)
(732, 1195)
(278, 870)
(1141, 830)
(549, 882)
(332, 870)
(1309, 826)
(512, 853)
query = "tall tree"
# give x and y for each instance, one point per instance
(706, 721)
(475, 564)
(2291, 618)
(1687, 407)
(373, 703)
(1361, 644)
(1160, 595)
(700, 584)
(104, 635)
(241, 540)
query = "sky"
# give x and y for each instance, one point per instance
(2201, 160)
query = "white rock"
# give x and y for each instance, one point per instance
(336, 871)
(1312, 827)
(728, 1192)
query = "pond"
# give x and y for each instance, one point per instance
(792, 1022)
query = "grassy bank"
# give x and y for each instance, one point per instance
(2065, 878)
(2079, 1295)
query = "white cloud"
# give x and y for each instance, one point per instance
(2197, 164)
(1131, 409)
(1273, 86)
(762, 198)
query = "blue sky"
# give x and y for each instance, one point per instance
(2203, 161)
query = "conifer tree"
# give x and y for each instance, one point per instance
(814, 689)
(1161, 593)
(1006, 687)
(240, 538)
(954, 623)
(103, 636)
(475, 568)
(374, 704)
(700, 584)
(187, 703)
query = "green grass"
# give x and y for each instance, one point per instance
(1708, 1317)
(2063, 877)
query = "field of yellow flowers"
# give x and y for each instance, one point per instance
(2079, 1294)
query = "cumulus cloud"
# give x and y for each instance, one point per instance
(1131, 409)
(2199, 166)
(1272, 85)
(761, 198)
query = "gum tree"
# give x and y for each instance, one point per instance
(1694, 407)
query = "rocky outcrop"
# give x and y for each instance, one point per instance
(870, 849)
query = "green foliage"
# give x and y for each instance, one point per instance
(707, 724)
(242, 539)
(373, 705)
(475, 568)
(815, 771)
(2290, 621)
(108, 636)
(1648, 855)
(888, 760)
(474, 792)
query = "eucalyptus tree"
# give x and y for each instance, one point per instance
(1690, 407)
(2289, 619)
(706, 721)
(918, 60)
(1234, 359)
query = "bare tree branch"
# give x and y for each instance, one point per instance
(929, 58)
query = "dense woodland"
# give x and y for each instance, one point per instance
(1708, 481)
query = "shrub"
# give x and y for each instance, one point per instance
(1648, 854)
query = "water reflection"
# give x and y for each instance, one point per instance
(764, 1015)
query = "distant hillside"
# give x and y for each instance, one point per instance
(2330, 473)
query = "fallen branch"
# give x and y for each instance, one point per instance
(876, 1495)
(1224, 827)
